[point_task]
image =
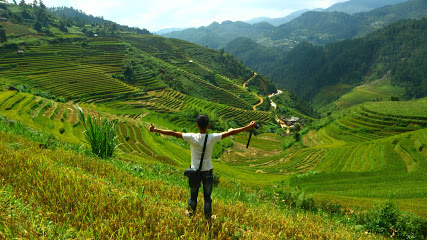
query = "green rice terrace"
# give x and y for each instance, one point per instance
(359, 173)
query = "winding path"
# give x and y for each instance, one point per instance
(260, 98)
(244, 84)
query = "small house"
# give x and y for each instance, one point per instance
(291, 121)
(20, 52)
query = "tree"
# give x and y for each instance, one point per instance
(3, 37)
(35, 4)
(62, 27)
(25, 14)
(43, 18)
(38, 26)
(42, 6)
(112, 28)
(22, 3)
(14, 1)
(297, 136)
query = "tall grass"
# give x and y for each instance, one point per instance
(57, 194)
(100, 134)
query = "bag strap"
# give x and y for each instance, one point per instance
(203, 153)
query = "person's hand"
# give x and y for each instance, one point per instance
(252, 125)
(151, 129)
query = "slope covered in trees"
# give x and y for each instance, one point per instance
(216, 35)
(397, 51)
(356, 6)
(317, 27)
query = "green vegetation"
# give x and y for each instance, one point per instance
(389, 58)
(319, 180)
(88, 198)
(316, 27)
(100, 134)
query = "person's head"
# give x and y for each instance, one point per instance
(202, 122)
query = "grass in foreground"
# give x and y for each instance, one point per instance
(58, 194)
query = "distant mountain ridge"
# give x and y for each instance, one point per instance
(357, 6)
(313, 26)
(350, 7)
(217, 34)
(278, 21)
(168, 30)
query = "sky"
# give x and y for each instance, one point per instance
(155, 15)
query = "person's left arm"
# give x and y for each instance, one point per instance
(165, 132)
(239, 130)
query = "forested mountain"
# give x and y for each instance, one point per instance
(356, 6)
(398, 50)
(314, 26)
(350, 7)
(324, 27)
(218, 34)
(79, 18)
(70, 12)
(278, 21)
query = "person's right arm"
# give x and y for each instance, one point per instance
(238, 130)
(165, 132)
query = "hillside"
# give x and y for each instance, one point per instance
(392, 57)
(362, 145)
(61, 193)
(325, 27)
(356, 6)
(216, 35)
(317, 27)
(319, 180)
(129, 63)
(277, 21)
(350, 7)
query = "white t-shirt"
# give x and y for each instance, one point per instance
(196, 141)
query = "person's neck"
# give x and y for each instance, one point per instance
(203, 131)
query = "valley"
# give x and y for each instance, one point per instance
(356, 153)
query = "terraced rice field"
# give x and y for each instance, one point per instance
(62, 121)
(173, 101)
(361, 140)
(68, 70)
(224, 91)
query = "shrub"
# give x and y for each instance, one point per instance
(305, 202)
(297, 136)
(216, 179)
(389, 221)
(100, 134)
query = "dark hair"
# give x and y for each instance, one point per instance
(203, 121)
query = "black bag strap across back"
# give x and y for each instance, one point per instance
(203, 153)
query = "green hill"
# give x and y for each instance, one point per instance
(318, 183)
(385, 63)
(316, 27)
(374, 150)
(356, 6)
(324, 27)
(216, 35)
